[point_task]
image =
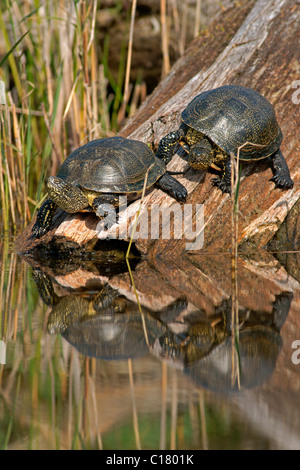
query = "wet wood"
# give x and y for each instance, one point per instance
(263, 54)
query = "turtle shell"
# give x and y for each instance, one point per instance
(259, 348)
(233, 115)
(113, 336)
(112, 165)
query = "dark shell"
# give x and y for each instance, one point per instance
(112, 165)
(233, 115)
(259, 348)
(113, 336)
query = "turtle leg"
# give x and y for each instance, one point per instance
(167, 145)
(44, 218)
(171, 186)
(66, 195)
(223, 182)
(105, 206)
(44, 287)
(281, 178)
(281, 308)
(109, 298)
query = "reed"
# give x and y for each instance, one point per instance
(55, 95)
(57, 92)
(235, 184)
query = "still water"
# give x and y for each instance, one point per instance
(142, 357)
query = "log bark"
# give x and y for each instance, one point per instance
(254, 45)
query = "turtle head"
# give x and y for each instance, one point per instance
(201, 155)
(66, 195)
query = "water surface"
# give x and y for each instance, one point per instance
(94, 358)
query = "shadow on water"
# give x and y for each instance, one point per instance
(94, 356)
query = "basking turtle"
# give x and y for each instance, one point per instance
(98, 173)
(225, 121)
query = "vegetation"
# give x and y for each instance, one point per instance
(56, 95)
(57, 91)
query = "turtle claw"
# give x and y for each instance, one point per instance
(281, 182)
(220, 183)
(180, 194)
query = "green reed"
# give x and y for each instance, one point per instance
(59, 90)
(56, 94)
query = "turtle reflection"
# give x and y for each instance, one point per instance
(105, 325)
(208, 353)
(108, 325)
(110, 335)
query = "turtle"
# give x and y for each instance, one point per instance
(97, 173)
(208, 353)
(229, 121)
(203, 334)
(104, 323)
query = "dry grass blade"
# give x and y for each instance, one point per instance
(71, 95)
(197, 18)
(135, 418)
(92, 34)
(164, 39)
(128, 65)
(235, 182)
(128, 252)
(204, 438)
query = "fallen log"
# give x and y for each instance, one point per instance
(261, 54)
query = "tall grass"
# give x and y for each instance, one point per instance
(56, 96)
(235, 183)
(235, 186)
(57, 92)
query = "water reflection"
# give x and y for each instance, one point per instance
(256, 350)
(109, 326)
(97, 358)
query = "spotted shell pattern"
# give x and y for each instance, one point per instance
(231, 116)
(112, 165)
